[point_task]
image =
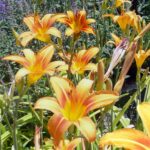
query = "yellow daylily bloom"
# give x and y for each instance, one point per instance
(117, 40)
(140, 57)
(40, 28)
(118, 3)
(131, 139)
(126, 19)
(71, 106)
(77, 23)
(80, 62)
(35, 65)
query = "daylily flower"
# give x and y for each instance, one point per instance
(117, 56)
(40, 28)
(126, 18)
(77, 23)
(71, 106)
(116, 39)
(35, 65)
(131, 139)
(140, 57)
(80, 62)
(68, 145)
(118, 3)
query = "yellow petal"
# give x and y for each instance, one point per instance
(69, 32)
(89, 21)
(19, 59)
(83, 89)
(29, 21)
(73, 144)
(33, 77)
(87, 128)
(62, 88)
(26, 37)
(128, 138)
(30, 55)
(144, 112)
(21, 73)
(54, 31)
(91, 66)
(48, 103)
(70, 15)
(116, 39)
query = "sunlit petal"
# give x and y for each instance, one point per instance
(21, 73)
(68, 32)
(144, 112)
(89, 21)
(128, 138)
(101, 99)
(62, 88)
(29, 21)
(48, 103)
(57, 125)
(54, 31)
(87, 128)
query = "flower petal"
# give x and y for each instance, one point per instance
(21, 73)
(54, 31)
(62, 88)
(100, 99)
(29, 21)
(87, 128)
(128, 138)
(19, 59)
(69, 32)
(57, 125)
(26, 37)
(83, 89)
(45, 55)
(144, 112)
(73, 144)
(89, 54)
(89, 21)
(48, 103)
(91, 66)
(30, 56)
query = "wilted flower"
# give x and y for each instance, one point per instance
(40, 28)
(71, 106)
(131, 139)
(77, 23)
(80, 62)
(35, 65)
(117, 56)
(140, 57)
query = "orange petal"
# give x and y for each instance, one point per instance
(88, 30)
(83, 89)
(144, 112)
(70, 15)
(57, 125)
(101, 99)
(89, 54)
(128, 138)
(87, 128)
(19, 59)
(29, 21)
(54, 31)
(21, 73)
(91, 66)
(62, 88)
(45, 55)
(33, 77)
(73, 144)
(48, 103)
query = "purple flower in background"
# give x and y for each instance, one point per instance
(3, 9)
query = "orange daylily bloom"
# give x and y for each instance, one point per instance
(131, 139)
(40, 28)
(126, 18)
(140, 57)
(71, 106)
(118, 3)
(80, 62)
(77, 23)
(35, 65)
